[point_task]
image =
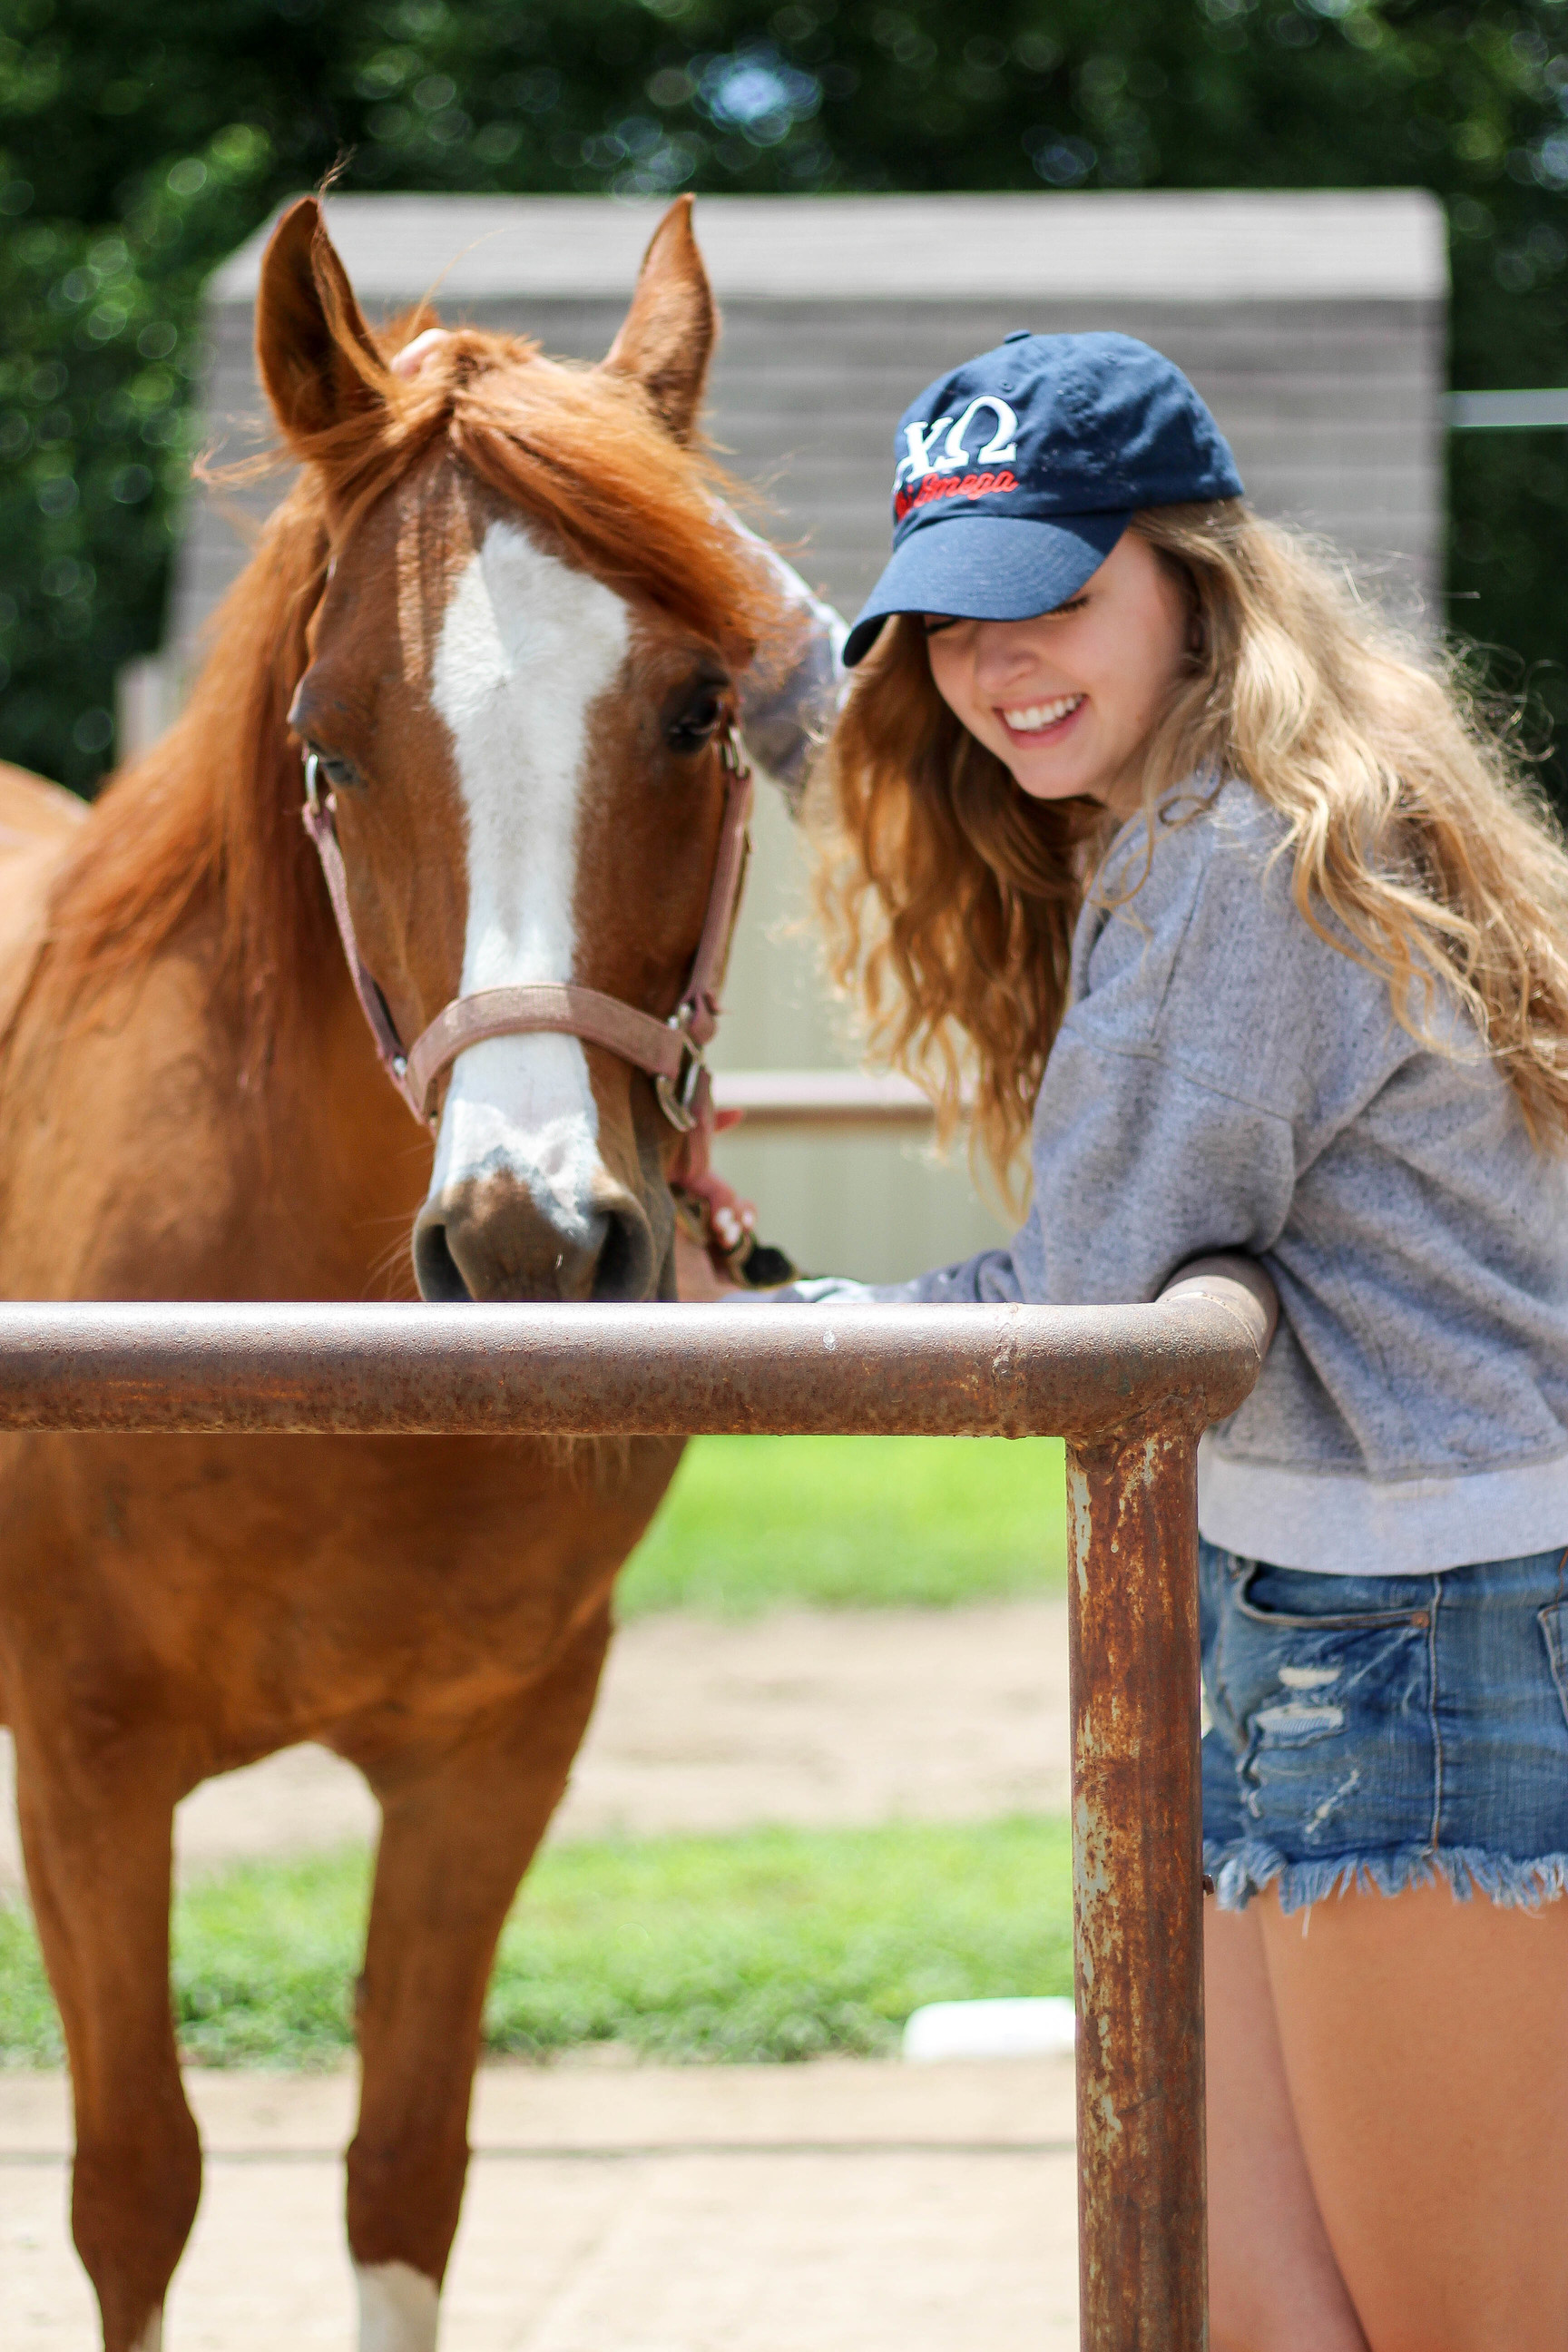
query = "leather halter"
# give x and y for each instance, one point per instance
(670, 1050)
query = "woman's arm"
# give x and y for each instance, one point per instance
(787, 713)
(1215, 1045)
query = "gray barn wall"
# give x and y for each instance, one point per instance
(1315, 326)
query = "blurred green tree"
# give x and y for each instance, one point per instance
(137, 146)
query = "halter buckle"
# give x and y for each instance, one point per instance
(678, 1095)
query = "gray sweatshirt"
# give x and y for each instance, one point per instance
(1226, 1079)
(785, 720)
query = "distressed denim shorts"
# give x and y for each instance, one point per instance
(1384, 1731)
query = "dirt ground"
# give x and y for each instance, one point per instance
(815, 1718)
(841, 2207)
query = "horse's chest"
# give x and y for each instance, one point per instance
(275, 1587)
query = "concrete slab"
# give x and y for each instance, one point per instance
(615, 2210)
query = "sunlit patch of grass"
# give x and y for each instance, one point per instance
(776, 1945)
(753, 1522)
(29, 2027)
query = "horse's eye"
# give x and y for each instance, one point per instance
(338, 774)
(697, 724)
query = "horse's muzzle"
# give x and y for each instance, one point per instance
(490, 1237)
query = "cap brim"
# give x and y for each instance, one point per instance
(986, 567)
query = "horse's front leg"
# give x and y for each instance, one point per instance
(96, 1799)
(457, 1835)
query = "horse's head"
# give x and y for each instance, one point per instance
(519, 690)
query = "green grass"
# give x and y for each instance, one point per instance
(773, 1946)
(29, 2029)
(752, 1523)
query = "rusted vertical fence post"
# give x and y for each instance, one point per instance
(1137, 1820)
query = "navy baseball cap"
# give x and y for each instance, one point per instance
(1017, 475)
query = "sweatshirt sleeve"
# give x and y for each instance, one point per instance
(1214, 1045)
(786, 717)
(1138, 1168)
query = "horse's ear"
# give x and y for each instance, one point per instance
(666, 337)
(318, 363)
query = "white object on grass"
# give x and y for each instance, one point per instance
(991, 2029)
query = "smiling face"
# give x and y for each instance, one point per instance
(1069, 699)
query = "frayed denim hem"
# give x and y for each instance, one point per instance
(1239, 1871)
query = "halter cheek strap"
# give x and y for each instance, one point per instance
(670, 1050)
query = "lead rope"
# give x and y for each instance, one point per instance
(755, 1264)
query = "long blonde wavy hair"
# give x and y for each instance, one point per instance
(949, 897)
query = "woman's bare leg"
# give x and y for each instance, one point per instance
(1425, 2046)
(1274, 2285)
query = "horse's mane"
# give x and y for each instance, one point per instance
(206, 822)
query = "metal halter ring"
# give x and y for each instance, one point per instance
(678, 1095)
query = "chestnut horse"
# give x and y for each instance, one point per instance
(500, 609)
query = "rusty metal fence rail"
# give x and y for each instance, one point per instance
(1130, 1388)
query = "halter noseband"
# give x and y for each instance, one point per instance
(669, 1050)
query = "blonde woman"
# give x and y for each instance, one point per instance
(1239, 917)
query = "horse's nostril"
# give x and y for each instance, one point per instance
(436, 1270)
(625, 1270)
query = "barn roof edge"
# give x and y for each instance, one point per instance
(1173, 245)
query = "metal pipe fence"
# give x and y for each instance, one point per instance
(1131, 1389)
(819, 1102)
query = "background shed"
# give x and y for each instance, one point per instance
(1314, 325)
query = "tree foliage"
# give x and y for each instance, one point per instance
(137, 146)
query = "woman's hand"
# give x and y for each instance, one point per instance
(413, 356)
(726, 1218)
(698, 1282)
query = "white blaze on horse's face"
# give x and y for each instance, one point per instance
(527, 646)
